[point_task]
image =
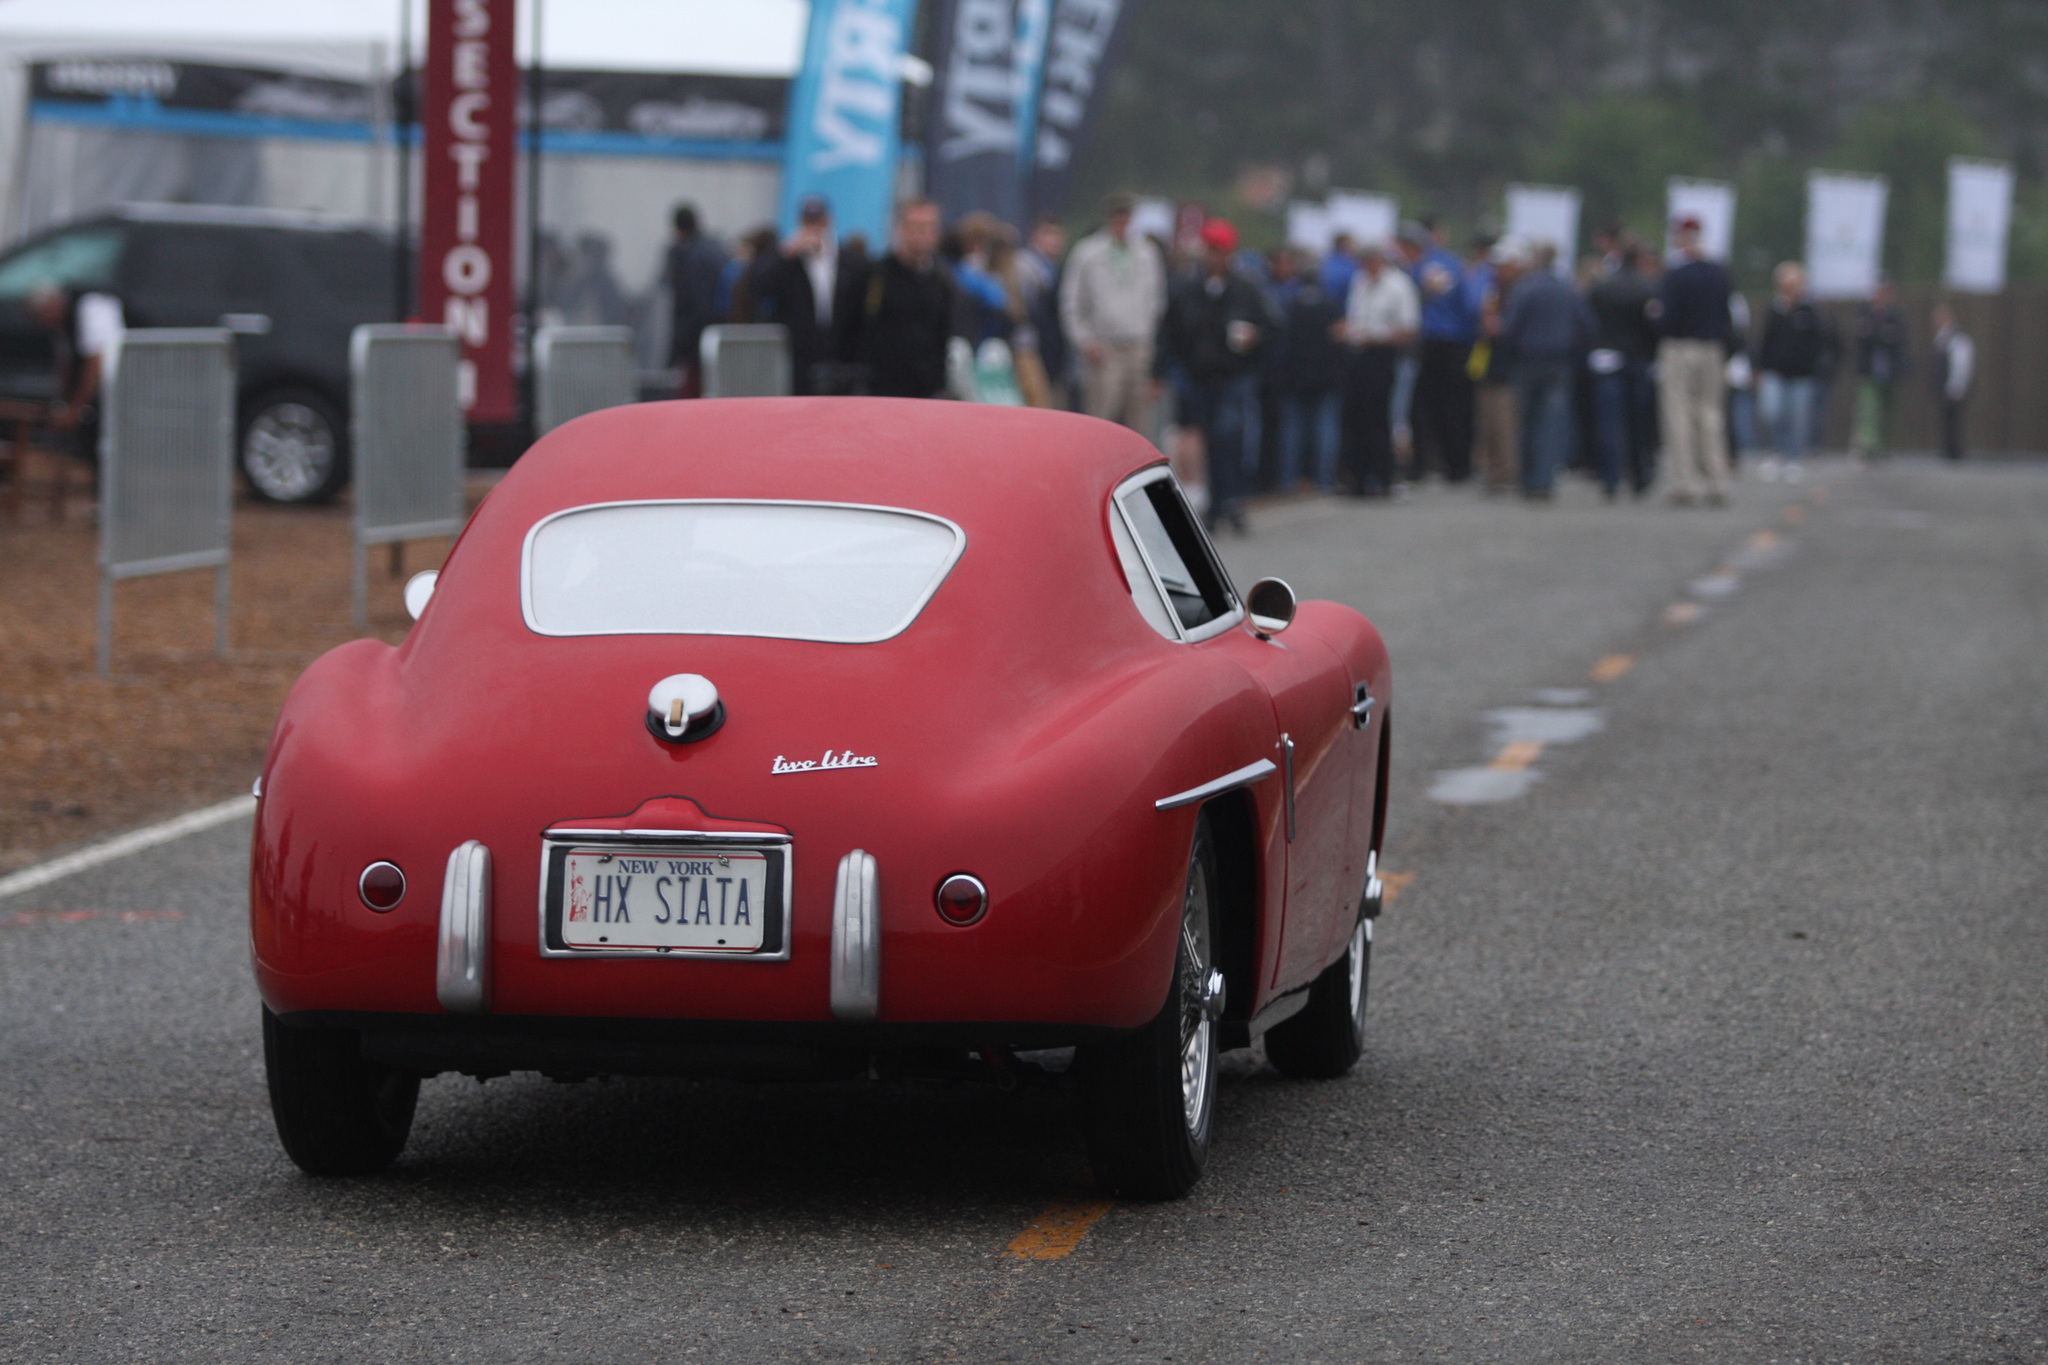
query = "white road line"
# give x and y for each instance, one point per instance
(29, 878)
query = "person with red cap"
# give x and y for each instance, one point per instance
(1217, 323)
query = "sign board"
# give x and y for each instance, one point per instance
(1546, 213)
(843, 114)
(746, 360)
(407, 439)
(166, 464)
(1152, 218)
(579, 370)
(470, 97)
(1844, 233)
(1710, 201)
(1979, 221)
(1367, 217)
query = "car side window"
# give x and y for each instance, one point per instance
(1181, 561)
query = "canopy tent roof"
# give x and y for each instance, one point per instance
(342, 38)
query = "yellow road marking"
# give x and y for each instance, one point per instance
(1820, 494)
(1612, 667)
(1392, 884)
(1763, 540)
(1514, 757)
(1054, 1234)
(1795, 514)
(1681, 613)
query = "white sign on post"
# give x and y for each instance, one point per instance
(1152, 218)
(1308, 227)
(1979, 220)
(1844, 233)
(1546, 213)
(1710, 201)
(1367, 217)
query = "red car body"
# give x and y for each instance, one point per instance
(1025, 728)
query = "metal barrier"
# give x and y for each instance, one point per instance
(579, 370)
(407, 438)
(167, 439)
(746, 360)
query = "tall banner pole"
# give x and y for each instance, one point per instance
(844, 111)
(469, 123)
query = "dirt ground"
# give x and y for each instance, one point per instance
(174, 728)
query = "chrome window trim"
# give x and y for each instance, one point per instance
(1242, 777)
(553, 839)
(939, 578)
(1163, 473)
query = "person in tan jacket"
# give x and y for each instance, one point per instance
(1111, 299)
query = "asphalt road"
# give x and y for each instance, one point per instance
(1718, 1034)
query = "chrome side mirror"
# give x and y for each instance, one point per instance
(1270, 605)
(418, 589)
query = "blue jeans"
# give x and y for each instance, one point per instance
(1624, 404)
(1301, 414)
(1786, 405)
(1227, 411)
(1543, 393)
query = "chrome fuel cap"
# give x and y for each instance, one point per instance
(684, 707)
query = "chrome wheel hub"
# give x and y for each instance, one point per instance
(288, 451)
(1361, 940)
(1201, 1003)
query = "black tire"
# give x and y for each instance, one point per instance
(293, 446)
(1148, 1100)
(1325, 1039)
(336, 1113)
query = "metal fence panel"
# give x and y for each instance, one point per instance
(582, 369)
(407, 439)
(746, 360)
(166, 463)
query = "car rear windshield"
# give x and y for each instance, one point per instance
(783, 570)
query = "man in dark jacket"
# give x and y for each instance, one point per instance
(1216, 324)
(1307, 366)
(809, 291)
(1624, 344)
(695, 273)
(1880, 364)
(1544, 332)
(1797, 347)
(901, 317)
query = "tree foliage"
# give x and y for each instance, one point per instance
(1446, 102)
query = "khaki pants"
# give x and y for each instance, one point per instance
(1118, 388)
(1692, 391)
(1497, 437)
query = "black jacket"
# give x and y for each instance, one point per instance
(1306, 358)
(696, 271)
(1881, 344)
(900, 321)
(1621, 312)
(1195, 331)
(790, 300)
(1798, 343)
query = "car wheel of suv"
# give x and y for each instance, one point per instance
(1324, 1040)
(1149, 1099)
(292, 447)
(336, 1113)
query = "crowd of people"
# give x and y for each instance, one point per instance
(1363, 370)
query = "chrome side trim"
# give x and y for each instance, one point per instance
(1287, 754)
(1280, 1009)
(857, 941)
(1243, 777)
(462, 969)
(1361, 709)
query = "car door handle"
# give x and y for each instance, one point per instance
(1361, 706)
(246, 324)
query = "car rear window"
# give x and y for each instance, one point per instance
(783, 570)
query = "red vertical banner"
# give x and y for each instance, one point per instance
(469, 105)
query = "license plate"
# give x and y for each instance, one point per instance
(697, 900)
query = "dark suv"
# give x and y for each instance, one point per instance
(290, 286)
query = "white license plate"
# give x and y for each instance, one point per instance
(705, 901)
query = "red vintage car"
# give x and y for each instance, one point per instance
(821, 737)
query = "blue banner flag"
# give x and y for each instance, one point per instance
(844, 111)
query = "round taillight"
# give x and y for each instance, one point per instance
(961, 899)
(382, 886)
